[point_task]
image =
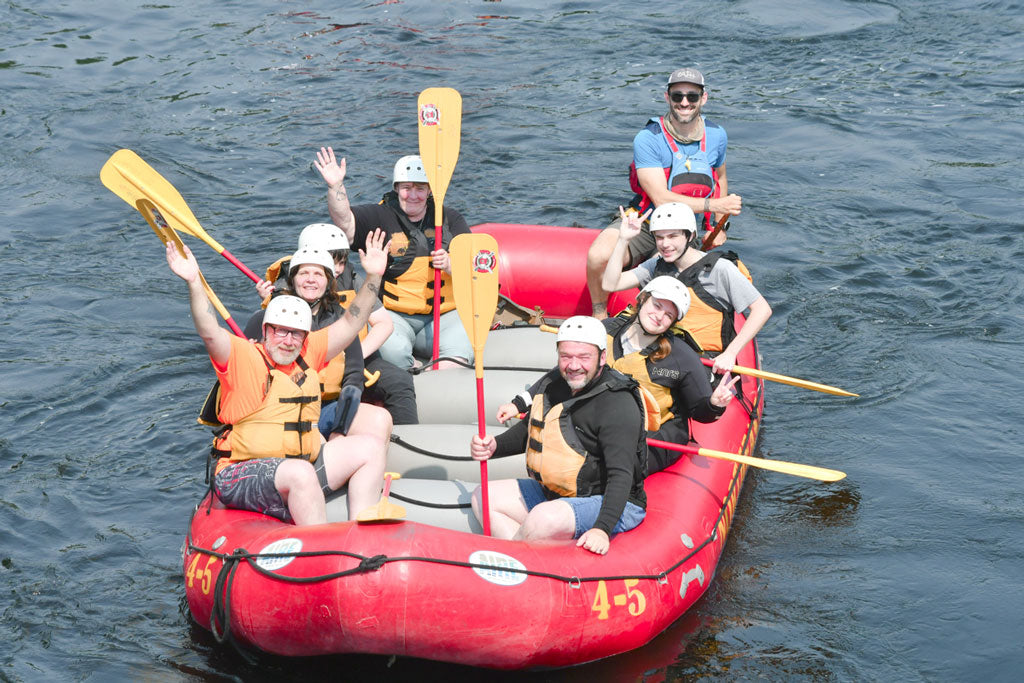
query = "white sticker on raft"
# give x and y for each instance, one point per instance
(285, 545)
(498, 577)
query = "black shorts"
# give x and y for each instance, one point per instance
(249, 485)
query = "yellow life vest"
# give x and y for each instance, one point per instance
(331, 376)
(283, 426)
(709, 321)
(554, 453)
(635, 365)
(412, 291)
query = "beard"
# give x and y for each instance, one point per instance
(281, 356)
(577, 381)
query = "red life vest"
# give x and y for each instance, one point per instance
(695, 178)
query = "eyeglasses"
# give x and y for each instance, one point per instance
(283, 333)
(692, 97)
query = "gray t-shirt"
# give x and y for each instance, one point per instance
(725, 282)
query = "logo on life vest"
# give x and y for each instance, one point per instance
(430, 115)
(484, 261)
(399, 244)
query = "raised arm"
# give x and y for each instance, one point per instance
(204, 317)
(337, 198)
(613, 278)
(381, 327)
(374, 260)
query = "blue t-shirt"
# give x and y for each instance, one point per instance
(651, 150)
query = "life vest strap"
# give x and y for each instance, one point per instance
(301, 399)
(301, 426)
(535, 445)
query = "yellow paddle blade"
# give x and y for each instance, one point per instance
(440, 127)
(794, 468)
(474, 259)
(792, 381)
(132, 179)
(383, 510)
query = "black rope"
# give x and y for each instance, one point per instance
(422, 451)
(222, 592)
(425, 504)
(396, 439)
(466, 364)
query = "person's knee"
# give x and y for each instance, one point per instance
(475, 501)
(373, 421)
(552, 519)
(296, 476)
(601, 248)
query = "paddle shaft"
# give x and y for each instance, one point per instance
(435, 350)
(482, 432)
(783, 379)
(130, 167)
(710, 239)
(796, 469)
(474, 258)
(439, 113)
(221, 309)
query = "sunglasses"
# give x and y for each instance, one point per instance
(692, 97)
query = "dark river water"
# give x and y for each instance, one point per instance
(877, 149)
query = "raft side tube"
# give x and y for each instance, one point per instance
(447, 440)
(562, 291)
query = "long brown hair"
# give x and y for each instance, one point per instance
(664, 339)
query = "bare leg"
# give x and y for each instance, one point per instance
(508, 509)
(597, 258)
(359, 460)
(296, 482)
(370, 420)
(553, 521)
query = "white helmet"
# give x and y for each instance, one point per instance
(326, 236)
(674, 216)
(289, 311)
(670, 289)
(583, 328)
(310, 255)
(409, 169)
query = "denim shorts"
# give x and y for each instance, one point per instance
(585, 509)
(249, 485)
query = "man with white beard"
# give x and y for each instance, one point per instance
(272, 458)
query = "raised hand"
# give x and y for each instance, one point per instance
(185, 266)
(375, 258)
(333, 173)
(723, 392)
(632, 223)
(264, 288)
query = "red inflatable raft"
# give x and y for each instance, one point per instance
(432, 586)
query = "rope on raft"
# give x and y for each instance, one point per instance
(220, 616)
(466, 364)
